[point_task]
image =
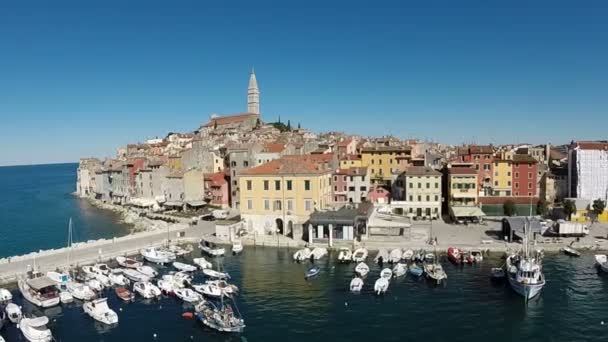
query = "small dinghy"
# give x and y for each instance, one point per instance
(435, 272)
(184, 267)
(215, 274)
(395, 255)
(5, 296)
(13, 311)
(318, 253)
(476, 255)
(35, 330)
(415, 270)
(128, 262)
(237, 247)
(188, 295)
(454, 255)
(99, 310)
(124, 294)
(302, 254)
(117, 278)
(399, 269)
(498, 273)
(571, 251)
(360, 254)
(134, 275)
(362, 269)
(601, 261)
(345, 255)
(312, 272)
(407, 255)
(209, 290)
(147, 271)
(381, 286)
(202, 263)
(146, 289)
(429, 257)
(382, 256)
(80, 291)
(386, 273)
(356, 284)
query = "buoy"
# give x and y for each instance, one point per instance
(188, 315)
(602, 322)
(120, 309)
(154, 335)
(345, 303)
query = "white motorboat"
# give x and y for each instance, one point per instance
(215, 274)
(80, 291)
(399, 269)
(356, 284)
(102, 269)
(360, 254)
(13, 311)
(146, 289)
(227, 289)
(119, 279)
(382, 256)
(524, 269)
(188, 295)
(601, 261)
(202, 263)
(65, 297)
(362, 269)
(435, 272)
(148, 271)
(345, 254)
(99, 310)
(103, 280)
(395, 255)
(571, 251)
(157, 256)
(88, 271)
(166, 286)
(39, 290)
(210, 290)
(95, 285)
(128, 262)
(407, 255)
(35, 330)
(180, 251)
(178, 280)
(386, 273)
(134, 275)
(237, 247)
(302, 254)
(211, 248)
(476, 255)
(5, 295)
(381, 285)
(318, 253)
(184, 267)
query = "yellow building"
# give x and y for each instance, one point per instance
(502, 178)
(218, 162)
(283, 192)
(350, 161)
(383, 161)
(463, 195)
(174, 163)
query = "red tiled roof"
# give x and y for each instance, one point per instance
(345, 142)
(351, 157)
(286, 166)
(523, 158)
(353, 171)
(229, 119)
(274, 147)
(422, 171)
(592, 145)
(462, 171)
(216, 179)
(481, 149)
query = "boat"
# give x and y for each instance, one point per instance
(173, 281)
(119, 279)
(211, 248)
(360, 254)
(134, 275)
(435, 272)
(5, 295)
(524, 269)
(382, 256)
(184, 267)
(180, 251)
(61, 280)
(88, 271)
(498, 273)
(215, 274)
(395, 255)
(221, 318)
(80, 291)
(146, 289)
(227, 289)
(209, 290)
(128, 262)
(601, 261)
(386, 273)
(381, 286)
(318, 253)
(407, 255)
(188, 295)
(39, 290)
(454, 255)
(99, 310)
(476, 255)
(429, 257)
(35, 330)
(571, 251)
(13, 311)
(356, 284)
(362, 269)
(165, 286)
(95, 285)
(157, 256)
(415, 270)
(237, 247)
(102, 268)
(312, 272)
(148, 271)
(419, 256)
(302, 254)
(124, 294)
(202, 263)
(103, 280)
(345, 255)
(399, 269)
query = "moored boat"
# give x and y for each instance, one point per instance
(356, 284)
(5, 295)
(435, 272)
(476, 255)
(215, 274)
(148, 271)
(157, 256)
(227, 289)
(102, 268)
(362, 269)
(35, 330)
(454, 255)
(360, 254)
(386, 273)
(571, 251)
(395, 255)
(210, 290)
(188, 295)
(117, 278)
(146, 289)
(381, 285)
(399, 269)
(211, 248)
(13, 313)
(381, 256)
(312, 272)
(184, 267)
(99, 310)
(407, 255)
(134, 275)
(221, 318)
(237, 247)
(601, 261)
(415, 270)
(524, 269)
(202, 263)
(128, 262)
(345, 254)
(39, 290)
(124, 294)
(498, 273)
(80, 291)
(318, 253)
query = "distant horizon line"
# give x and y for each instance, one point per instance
(39, 164)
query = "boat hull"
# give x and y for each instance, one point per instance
(43, 303)
(527, 291)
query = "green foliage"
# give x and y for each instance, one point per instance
(508, 208)
(598, 207)
(541, 207)
(569, 208)
(289, 125)
(280, 126)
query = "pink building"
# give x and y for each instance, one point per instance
(216, 189)
(379, 194)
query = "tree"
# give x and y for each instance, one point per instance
(289, 125)
(598, 207)
(569, 208)
(509, 208)
(541, 207)
(214, 124)
(299, 125)
(258, 123)
(279, 119)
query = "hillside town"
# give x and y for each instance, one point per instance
(277, 178)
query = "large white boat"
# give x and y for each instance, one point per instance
(80, 291)
(117, 278)
(146, 289)
(237, 247)
(128, 262)
(395, 255)
(524, 269)
(601, 261)
(102, 268)
(39, 290)
(302, 254)
(360, 254)
(345, 254)
(227, 289)
(211, 248)
(148, 271)
(99, 310)
(209, 290)
(35, 330)
(157, 256)
(134, 275)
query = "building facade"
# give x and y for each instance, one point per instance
(588, 170)
(351, 185)
(422, 191)
(383, 161)
(525, 175)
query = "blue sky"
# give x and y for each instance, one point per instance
(80, 78)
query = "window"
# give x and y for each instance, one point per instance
(233, 164)
(372, 162)
(529, 164)
(419, 198)
(344, 188)
(351, 178)
(529, 194)
(436, 198)
(289, 185)
(363, 188)
(428, 185)
(516, 174)
(509, 173)
(363, 178)
(476, 157)
(245, 163)
(391, 161)
(276, 205)
(496, 164)
(344, 178)
(336, 188)
(379, 161)
(529, 185)
(411, 185)
(307, 205)
(249, 204)
(509, 183)
(411, 210)
(277, 185)
(436, 185)
(265, 185)
(487, 157)
(307, 185)
(411, 198)
(496, 174)
(266, 204)
(248, 185)
(508, 192)
(529, 175)
(476, 166)
(380, 171)
(351, 188)
(516, 185)
(486, 167)
(495, 183)
(419, 185)
(428, 198)
(336, 178)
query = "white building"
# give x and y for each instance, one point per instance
(588, 170)
(421, 192)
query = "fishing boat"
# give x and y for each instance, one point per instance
(184, 267)
(237, 247)
(382, 256)
(211, 248)
(148, 271)
(35, 330)
(202, 263)
(215, 274)
(454, 255)
(134, 275)
(209, 290)
(497, 273)
(435, 272)
(386, 273)
(415, 270)
(318, 253)
(571, 251)
(345, 254)
(360, 254)
(102, 269)
(124, 294)
(188, 295)
(39, 289)
(227, 289)
(117, 278)
(146, 289)
(99, 310)
(221, 318)
(381, 285)
(407, 255)
(399, 269)
(395, 255)
(5, 295)
(312, 272)
(601, 261)
(128, 262)
(356, 284)
(80, 291)
(13, 312)
(524, 269)
(157, 256)
(362, 269)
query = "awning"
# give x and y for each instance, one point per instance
(195, 203)
(143, 202)
(40, 283)
(467, 212)
(173, 204)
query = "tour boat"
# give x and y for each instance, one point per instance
(227, 289)
(381, 285)
(148, 271)
(119, 279)
(435, 272)
(134, 275)
(210, 290)
(345, 255)
(221, 319)
(601, 261)
(188, 295)
(99, 310)
(395, 255)
(157, 256)
(399, 269)
(360, 254)
(312, 272)
(202, 263)
(571, 251)
(407, 255)
(302, 254)
(382, 256)
(386, 273)
(13, 311)
(184, 267)
(237, 247)
(318, 253)
(35, 330)
(124, 294)
(5, 295)
(362, 269)
(356, 284)
(39, 290)
(146, 289)
(415, 270)
(128, 262)
(215, 274)
(80, 291)
(211, 248)
(454, 255)
(524, 269)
